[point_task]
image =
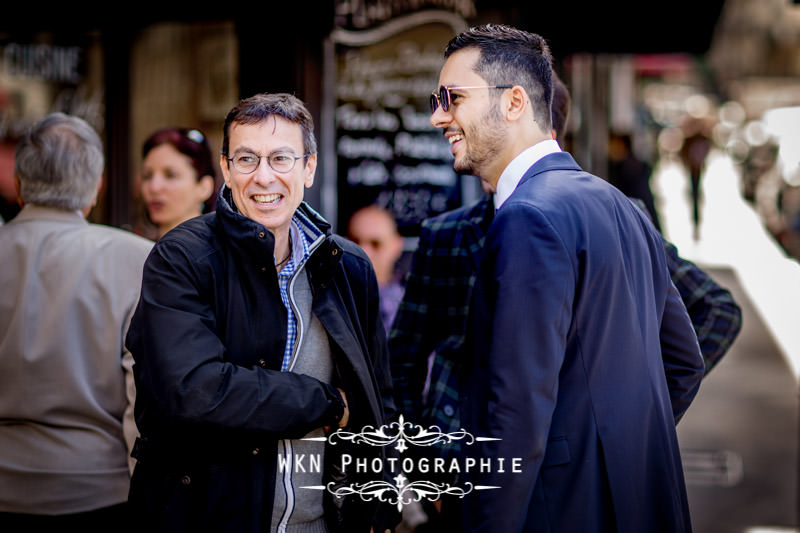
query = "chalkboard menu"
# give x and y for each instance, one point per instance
(386, 150)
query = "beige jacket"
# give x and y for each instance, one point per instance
(66, 392)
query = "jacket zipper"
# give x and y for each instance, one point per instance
(288, 485)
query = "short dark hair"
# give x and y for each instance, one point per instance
(261, 106)
(561, 105)
(512, 56)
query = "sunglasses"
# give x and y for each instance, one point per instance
(442, 96)
(194, 135)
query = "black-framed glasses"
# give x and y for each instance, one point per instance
(442, 96)
(247, 162)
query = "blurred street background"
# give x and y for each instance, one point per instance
(692, 106)
(739, 439)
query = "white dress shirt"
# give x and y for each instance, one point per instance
(513, 173)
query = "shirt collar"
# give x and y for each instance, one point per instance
(301, 231)
(513, 173)
(299, 253)
(42, 212)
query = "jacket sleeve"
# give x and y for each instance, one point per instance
(715, 315)
(683, 366)
(410, 343)
(129, 429)
(379, 352)
(181, 366)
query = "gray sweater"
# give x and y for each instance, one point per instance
(295, 509)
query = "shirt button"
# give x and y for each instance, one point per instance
(263, 269)
(262, 234)
(448, 410)
(256, 451)
(186, 480)
(335, 251)
(262, 363)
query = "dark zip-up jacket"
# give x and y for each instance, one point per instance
(208, 337)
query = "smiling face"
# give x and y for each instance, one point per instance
(170, 188)
(267, 196)
(473, 125)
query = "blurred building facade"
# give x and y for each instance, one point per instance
(366, 68)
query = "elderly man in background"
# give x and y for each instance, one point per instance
(66, 391)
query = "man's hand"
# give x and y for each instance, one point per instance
(346, 415)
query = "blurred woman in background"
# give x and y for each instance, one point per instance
(178, 178)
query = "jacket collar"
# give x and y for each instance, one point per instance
(53, 214)
(253, 240)
(229, 214)
(515, 170)
(556, 161)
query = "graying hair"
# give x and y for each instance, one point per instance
(59, 163)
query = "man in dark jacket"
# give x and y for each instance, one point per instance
(257, 331)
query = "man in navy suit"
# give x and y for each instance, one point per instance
(584, 355)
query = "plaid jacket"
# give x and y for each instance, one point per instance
(426, 341)
(716, 316)
(432, 317)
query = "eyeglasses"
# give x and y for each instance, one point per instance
(443, 98)
(247, 162)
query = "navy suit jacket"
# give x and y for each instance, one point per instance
(584, 361)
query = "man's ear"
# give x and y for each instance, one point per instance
(18, 188)
(226, 171)
(100, 183)
(516, 103)
(88, 209)
(310, 170)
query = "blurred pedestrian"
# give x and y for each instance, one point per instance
(571, 389)
(178, 179)
(257, 329)
(66, 391)
(630, 174)
(694, 152)
(375, 230)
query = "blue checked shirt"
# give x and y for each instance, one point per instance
(301, 250)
